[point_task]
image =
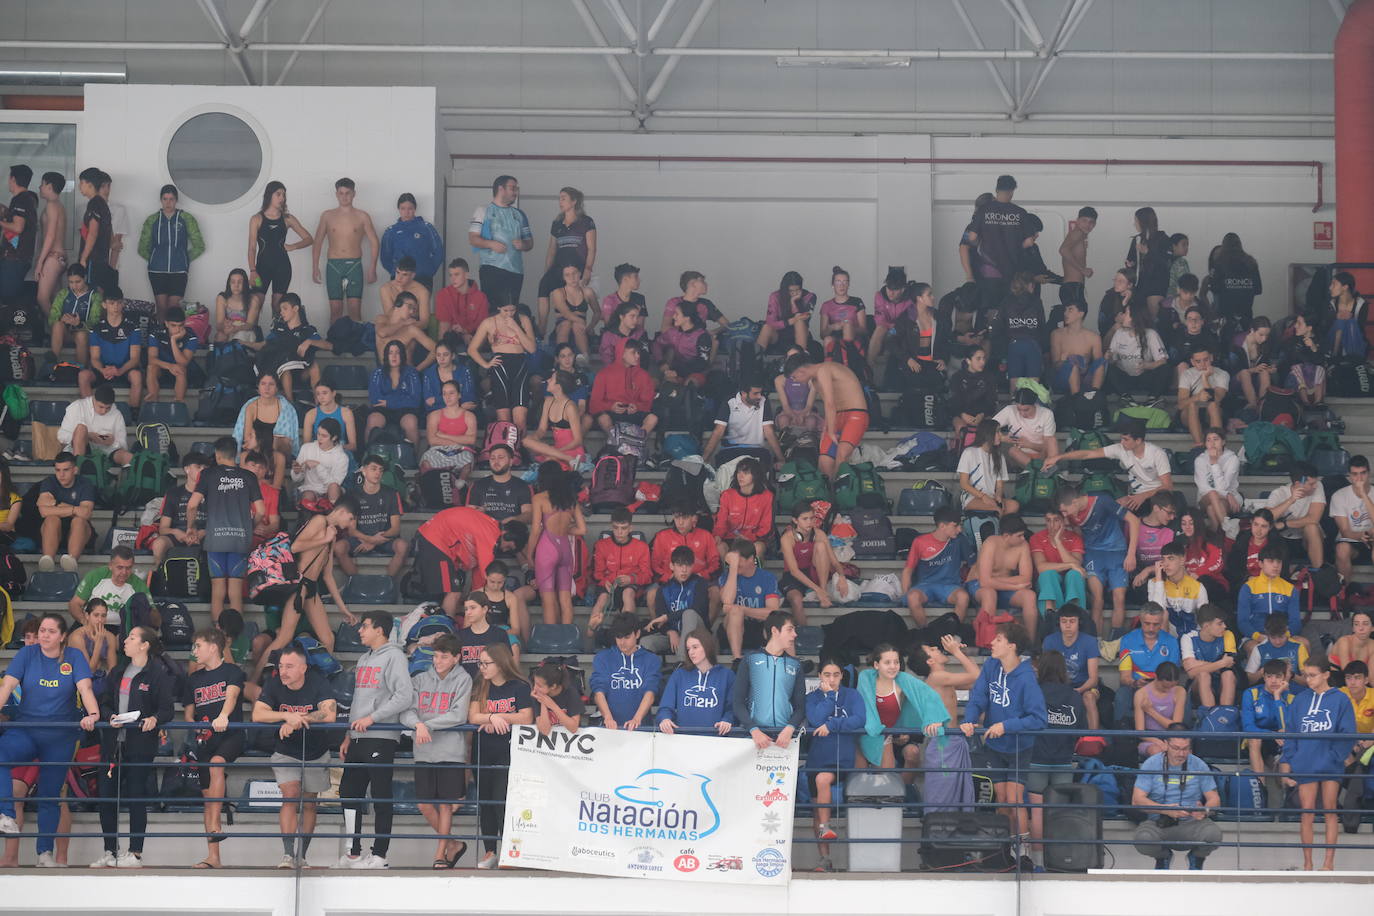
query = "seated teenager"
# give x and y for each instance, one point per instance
(746, 591)
(560, 417)
(682, 605)
(1003, 577)
(788, 317)
(746, 508)
(116, 352)
(933, 566)
(808, 560)
(172, 527)
(93, 423)
(171, 349)
(75, 313)
(1201, 389)
(1137, 362)
(376, 529)
(1209, 658)
(621, 570)
(451, 432)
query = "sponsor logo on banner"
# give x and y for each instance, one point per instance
(662, 807)
(771, 796)
(645, 859)
(659, 805)
(726, 863)
(769, 863)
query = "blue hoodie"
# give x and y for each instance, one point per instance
(1316, 713)
(842, 713)
(1013, 698)
(416, 238)
(698, 699)
(1261, 712)
(624, 679)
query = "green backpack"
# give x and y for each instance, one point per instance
(1099, 484)
(1154, 417)
(94, 466)
(799, 482)
(859, 486)
(1323, 440)
(1088, 440)
(1035, 489)
(148, 476)
(16, 401)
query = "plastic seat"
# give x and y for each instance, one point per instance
(58, 585)
(554, 639)
(370, 589)
(48, 412)
(173, 413)
(809, 640)
(352, 378)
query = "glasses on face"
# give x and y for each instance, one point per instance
(485, 663)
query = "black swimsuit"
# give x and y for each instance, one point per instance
(273, 264)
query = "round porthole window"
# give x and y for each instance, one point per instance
(214, 158)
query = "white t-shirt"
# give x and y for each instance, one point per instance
(332, 467)
(1349, 506)
(1299, 509)
(82, 412)
(1222, 477)
(1190, 380)
(982, 474)
(1124, 350)
(1032, 430)
(1145, 470)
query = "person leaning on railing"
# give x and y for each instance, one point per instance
(51, 679)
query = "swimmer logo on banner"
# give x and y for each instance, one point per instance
(650, 805)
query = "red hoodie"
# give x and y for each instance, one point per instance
(703, 545)
(621, 383)
(743, 516)
(613, 560)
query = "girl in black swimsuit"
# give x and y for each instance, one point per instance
(269, 263)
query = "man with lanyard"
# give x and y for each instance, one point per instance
(1177, 789)
(499, 231)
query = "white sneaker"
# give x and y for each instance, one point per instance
(106, 860)
(347, 861)
(48, 860)
(46, 564)
(488, 861)
(287, 861)
(68, 562)
(8, 825)
(371, 860)
(129, 860)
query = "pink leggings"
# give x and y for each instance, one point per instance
(553, 563)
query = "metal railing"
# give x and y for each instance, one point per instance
(1006, 850)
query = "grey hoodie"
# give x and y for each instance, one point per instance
(441, 704)
(382, 690)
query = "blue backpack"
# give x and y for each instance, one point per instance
(431, 625)
(1243, 797)
(1217, 719)
(317, 657)
(422, 659)
(1093, 772)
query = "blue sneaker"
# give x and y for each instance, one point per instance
(1163, 864)
(1194, 863)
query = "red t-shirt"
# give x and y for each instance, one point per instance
(468, 536)
(1072, 540)
(466, 310)
(271, 499)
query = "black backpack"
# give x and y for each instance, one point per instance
(219, 404)
(181, 574)
(680, 487)
(439, 488)
(13, 577)
(1347, 379)
(680, 407)
(16, 363)
(177, 626)
(348, 337)
(1074, 411)
(923, 410)
(873, 534)
(24, 321)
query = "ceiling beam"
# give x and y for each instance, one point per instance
(1069, 23)
(621, 77)
(305, 36)
(259, 10)
(978, 43)
(664, 12)
(688, 34)
(622, 19)
(1022, 17)
(233, 43)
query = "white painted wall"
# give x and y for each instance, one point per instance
(382, 138)
(744, 224)
(320, 893)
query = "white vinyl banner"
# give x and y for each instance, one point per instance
(650, 805)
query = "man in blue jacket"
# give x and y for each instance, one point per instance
(770, 688)
(625, 679)
(1007, 699)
